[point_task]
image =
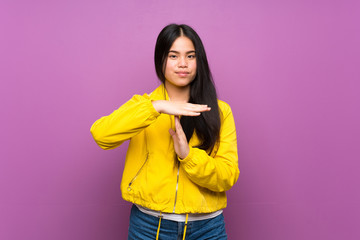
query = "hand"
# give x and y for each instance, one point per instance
(179, 108)
(181, 145)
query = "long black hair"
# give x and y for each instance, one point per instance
(202, 89)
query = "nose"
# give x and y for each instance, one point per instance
(182, 62)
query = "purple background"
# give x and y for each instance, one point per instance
(289, 69)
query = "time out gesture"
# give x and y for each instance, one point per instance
(181, 145)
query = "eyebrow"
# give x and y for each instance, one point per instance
(173, 51)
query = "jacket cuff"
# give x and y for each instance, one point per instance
(152, 110)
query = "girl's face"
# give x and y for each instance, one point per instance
(180, 68)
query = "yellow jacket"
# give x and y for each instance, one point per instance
(153, 176)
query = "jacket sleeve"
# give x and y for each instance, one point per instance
(136, 114)
(218, 173)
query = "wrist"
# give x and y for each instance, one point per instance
(187, 157)
(185, 153)
(157, 105)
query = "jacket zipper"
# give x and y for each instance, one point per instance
(137, 174)
(177, 185)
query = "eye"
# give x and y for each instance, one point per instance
(191, 56)
(172, 56)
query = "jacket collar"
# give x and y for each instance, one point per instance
(159, 93)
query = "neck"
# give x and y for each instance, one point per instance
(179, 94)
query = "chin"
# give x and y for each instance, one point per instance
(183, 84)
(180, 83)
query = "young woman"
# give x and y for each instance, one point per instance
(182, 155)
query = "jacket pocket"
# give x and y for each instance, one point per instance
(129, 188)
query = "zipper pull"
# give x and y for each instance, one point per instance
(138, 172)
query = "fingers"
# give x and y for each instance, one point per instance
(179, 108)
(180, 143)
(191, 109)
(178, 125)
(178, 134)
(197, 107)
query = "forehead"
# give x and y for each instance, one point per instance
(182, 44)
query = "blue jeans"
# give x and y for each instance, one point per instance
(144, 227)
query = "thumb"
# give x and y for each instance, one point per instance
(172, 132)
(173, 135)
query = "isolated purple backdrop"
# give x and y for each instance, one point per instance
(289, 69)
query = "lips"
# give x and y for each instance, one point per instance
(182, 74)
